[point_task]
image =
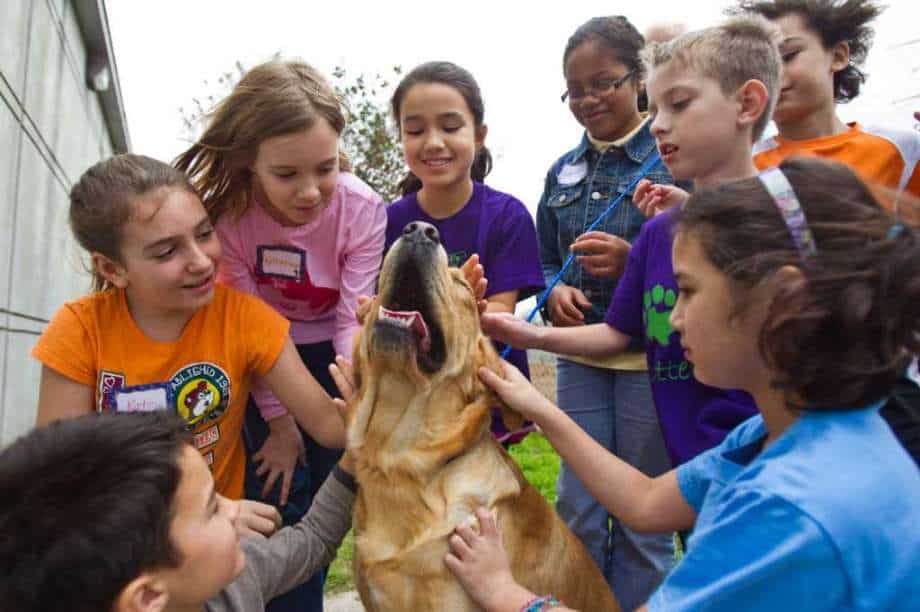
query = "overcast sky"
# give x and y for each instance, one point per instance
(166, 50)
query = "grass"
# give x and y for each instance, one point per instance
(537, 459)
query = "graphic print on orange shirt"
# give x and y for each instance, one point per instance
(285, 269)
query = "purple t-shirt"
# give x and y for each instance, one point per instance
(493, 224)
(694, 417)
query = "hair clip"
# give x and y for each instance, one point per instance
(780, 189)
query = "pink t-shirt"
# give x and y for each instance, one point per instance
(312, 274)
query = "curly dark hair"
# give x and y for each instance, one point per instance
(835, 21)
(85, 507)
(840, 338)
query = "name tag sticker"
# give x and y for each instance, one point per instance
(143, 398)
(281, 262)
(572, 173)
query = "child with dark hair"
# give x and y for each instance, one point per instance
(608, 396)
(160, 333)
(824, 46)
(796, 286)
(439, 110)
(120, 513)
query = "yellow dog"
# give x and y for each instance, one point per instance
(419, 429)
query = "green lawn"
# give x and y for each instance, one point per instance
(535, 456)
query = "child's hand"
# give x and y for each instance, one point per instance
(602, 255)
(255, 518)
(565, 305)
(480, 563)
(505, 327)
(652, 199)
(475, 276)
(344, 377)
(279, 455)
(517, 392)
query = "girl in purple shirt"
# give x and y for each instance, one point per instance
(439, 111)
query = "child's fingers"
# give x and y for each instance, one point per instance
(262, 462)
(270, 481)
(642, 188)
(487, 526)
(286, 478)
(364, 307)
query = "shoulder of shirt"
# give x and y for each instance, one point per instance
(907, 142)
(764, 145)
(495, 197)
(93, 304)
(562, 160)
(352, 188)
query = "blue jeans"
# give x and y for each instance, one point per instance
(307, 597)
(615, 408)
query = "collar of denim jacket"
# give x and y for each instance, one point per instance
(637, 148)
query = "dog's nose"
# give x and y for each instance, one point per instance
(419, 230)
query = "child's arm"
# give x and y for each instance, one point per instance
(640, 502)
(293, 384)
(597, 340)
(480, 563)
(60, 397)
(292, 555)
(358, 276)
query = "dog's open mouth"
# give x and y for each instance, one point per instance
(411, 320)
(406, 317)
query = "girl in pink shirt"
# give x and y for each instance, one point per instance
(304, 234)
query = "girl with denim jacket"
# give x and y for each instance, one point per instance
(610, 399)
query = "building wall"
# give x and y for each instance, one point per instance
(52, 127)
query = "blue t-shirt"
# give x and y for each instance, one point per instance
(826, 518)
(493, 224)
(694, 417)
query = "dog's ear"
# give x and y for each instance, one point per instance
(487, 357)
(357, 362)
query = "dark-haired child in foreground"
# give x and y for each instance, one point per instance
(119, 513)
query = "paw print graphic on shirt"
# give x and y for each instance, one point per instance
(657, 323)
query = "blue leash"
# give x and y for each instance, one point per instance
(644, 170)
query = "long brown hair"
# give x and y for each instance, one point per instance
(102, 202)
(272, 99)
(840, 338)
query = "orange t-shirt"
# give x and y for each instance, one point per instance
(204, 376)
(881, 156)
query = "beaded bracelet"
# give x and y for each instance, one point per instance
(539, 604)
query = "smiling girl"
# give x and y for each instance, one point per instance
(300, 231)
(159, 333)
(439, 110)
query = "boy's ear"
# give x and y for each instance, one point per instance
(840, 56)
(752, 98)
(145, 593)
(110, 270)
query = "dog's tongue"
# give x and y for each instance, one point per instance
(409, 319)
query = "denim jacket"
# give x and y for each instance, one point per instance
(579, 187)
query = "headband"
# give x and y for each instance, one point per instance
(780, 189)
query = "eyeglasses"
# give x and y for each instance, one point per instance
(598, 87)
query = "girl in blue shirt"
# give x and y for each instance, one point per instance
(798, 287)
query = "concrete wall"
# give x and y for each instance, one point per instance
(52, 127)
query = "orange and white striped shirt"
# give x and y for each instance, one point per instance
(880, 155)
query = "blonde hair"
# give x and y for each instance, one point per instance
(272, 99)
(741, 49)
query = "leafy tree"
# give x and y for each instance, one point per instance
(369, 139)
